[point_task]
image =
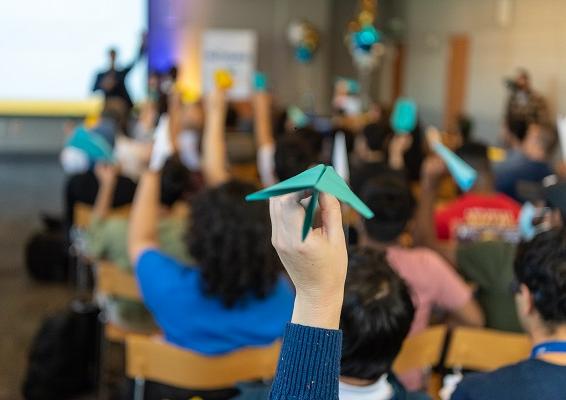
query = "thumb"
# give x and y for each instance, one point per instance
(331, 216)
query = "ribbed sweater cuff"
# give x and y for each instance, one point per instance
(309, 364)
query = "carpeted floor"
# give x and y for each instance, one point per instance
(28, 185)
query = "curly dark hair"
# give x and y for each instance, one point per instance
(376, 316)
(541, 265)
(230, 240)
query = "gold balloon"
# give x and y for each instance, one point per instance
(366, 18)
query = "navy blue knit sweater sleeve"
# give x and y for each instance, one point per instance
(309, 364)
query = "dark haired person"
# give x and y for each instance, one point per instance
(376, 317)
(540, 294)
(524, 103)
(433, 282)
(371, 154)
(107, 236)
(529, 163)
(234, 295)
(287, 155)
(480, 213)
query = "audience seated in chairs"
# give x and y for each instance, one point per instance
(540, 293)
(107, 236)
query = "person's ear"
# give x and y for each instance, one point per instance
(525, 301)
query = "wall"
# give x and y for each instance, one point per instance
(269, 18)
(535, 38)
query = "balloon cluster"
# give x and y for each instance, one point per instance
(363, 39)
(304, 38)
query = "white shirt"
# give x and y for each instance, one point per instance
(380, 390)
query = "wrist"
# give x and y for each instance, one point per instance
(320, 309)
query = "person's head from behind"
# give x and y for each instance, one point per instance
(476, 155)
(293, 155)
(391, 200)
(112, 55)
(377, 314)
(540, 141)
(374, 141)
(230, 240)
(176, 182)
(540, 287)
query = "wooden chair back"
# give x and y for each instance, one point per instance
(82, 214)
(485, 349)
(421, 351)
(152, 359)
(112, 281)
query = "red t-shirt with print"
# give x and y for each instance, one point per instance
(477, 217)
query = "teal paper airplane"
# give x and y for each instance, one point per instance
(321, 178)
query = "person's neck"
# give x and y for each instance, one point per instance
(483, 186)
(357, 381)
(556, 335)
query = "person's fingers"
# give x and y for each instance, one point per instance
(331, 216)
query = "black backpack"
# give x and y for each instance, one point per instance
(62, 358)
(46, 254)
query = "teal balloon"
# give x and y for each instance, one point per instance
(404, 116)
(366, 37)
(260, 81)
(464, 175)
(303, 54)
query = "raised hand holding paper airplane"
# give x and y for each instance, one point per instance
(321, 178)
(561, 124)
(404, 116)
(298, 117)
(223, 79)
(260, 82)
(464, 175)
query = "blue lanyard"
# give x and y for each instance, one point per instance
(548, 347)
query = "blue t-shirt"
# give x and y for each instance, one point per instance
(190, 319)
(518, 168)
(527, 380)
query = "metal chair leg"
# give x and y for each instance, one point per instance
(139, 388)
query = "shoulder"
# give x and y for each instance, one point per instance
(152, 262)
(491, 384)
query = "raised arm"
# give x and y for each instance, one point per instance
(141, 53)
(309, 365)
(107, 176)
(142, 234)
(399, 145)
(144, 217)
(264, 138)
(214, 166)
(425, 228)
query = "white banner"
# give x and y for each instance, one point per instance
(232, 50)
